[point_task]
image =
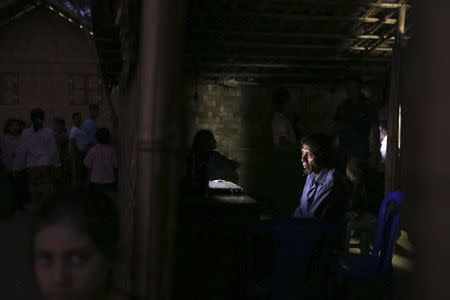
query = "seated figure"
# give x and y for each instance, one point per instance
(323, 193)
(204, 163)
(359, 218)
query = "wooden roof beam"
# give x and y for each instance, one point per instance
(296, 35)
(295, 17)
(292, 66)
(263, 75)
(389, 5)
(257, 75)
(293, 46)
(303, 58)
(380, 49)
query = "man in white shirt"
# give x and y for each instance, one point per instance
(383, 140)
(38, 153)
(90, 125)
(37, 145)
(77, 136)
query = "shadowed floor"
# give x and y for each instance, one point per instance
(403, 268)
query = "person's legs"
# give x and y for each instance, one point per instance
(21, 189)
(18, 191)
(365, 226)
(41, 185)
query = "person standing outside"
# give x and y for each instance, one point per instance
(101, 161)
(62, 142)
(90, 125)
(79, 145)
(9, 145)
(38, 152)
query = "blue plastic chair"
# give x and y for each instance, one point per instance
(297, 240)
(377, 265)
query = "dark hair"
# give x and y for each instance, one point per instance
(91, 212)
(203, 141)
(383, 124)
(93, 107)
(76, 114)
(59, 121)
(103, 136)
(359, 168)
(280, 96)
(22, 125)
(320, 146)
(8, 124)
(37, 117)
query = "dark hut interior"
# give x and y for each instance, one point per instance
(163, 72)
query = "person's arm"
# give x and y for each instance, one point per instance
(88, 160)
(334, 204)
(20, 161)
(322, 199)
(300, 210)
(55, 159)
(89, 129)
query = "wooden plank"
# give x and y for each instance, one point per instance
(392, 164)
(297, 17)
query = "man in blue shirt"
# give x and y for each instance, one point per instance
(323, 193)
(90, 126)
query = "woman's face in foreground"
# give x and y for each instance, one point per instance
(67, 263)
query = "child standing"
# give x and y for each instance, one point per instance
(101, 161)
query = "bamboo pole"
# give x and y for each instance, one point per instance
(159, 136)
(392, 167)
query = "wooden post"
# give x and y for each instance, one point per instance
(392, 166)
(428, 148)
(160, 129)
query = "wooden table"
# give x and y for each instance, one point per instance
(215, 232)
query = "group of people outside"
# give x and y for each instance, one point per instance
(38, 159)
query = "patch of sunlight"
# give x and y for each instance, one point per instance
(402, 263)
(404, 242)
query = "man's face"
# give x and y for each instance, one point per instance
(77, 120)
(382, 133)
(57, 127)
(309, 160)
(15, 128)
(94, 113)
